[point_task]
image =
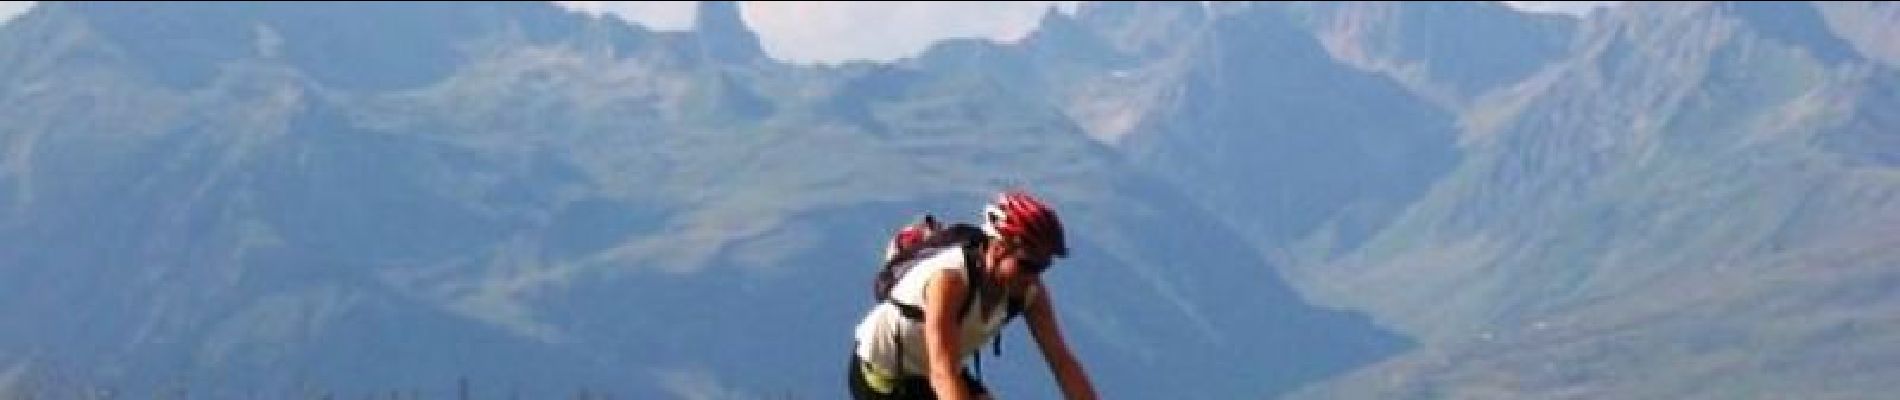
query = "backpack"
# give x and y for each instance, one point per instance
(911, 242)
(904, 246)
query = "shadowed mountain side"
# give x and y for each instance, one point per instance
(547, 202)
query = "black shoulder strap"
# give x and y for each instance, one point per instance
(1017, 304)
(973, 272)
(1015, 308)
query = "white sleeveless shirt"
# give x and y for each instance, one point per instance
(878, 334)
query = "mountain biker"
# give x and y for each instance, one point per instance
(964, 298)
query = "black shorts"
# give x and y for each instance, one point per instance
(908, 387)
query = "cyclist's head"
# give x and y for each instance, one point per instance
(1027, 226)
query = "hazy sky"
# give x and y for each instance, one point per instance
(9, 9)
(823, 31)
(818, 31)
(1566, 7)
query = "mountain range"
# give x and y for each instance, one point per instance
(1315, 200)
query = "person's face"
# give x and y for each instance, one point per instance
(1019, 265)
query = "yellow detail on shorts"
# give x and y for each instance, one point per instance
(877, 379)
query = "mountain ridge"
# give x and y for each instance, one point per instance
(618, 210)
(1276, 199)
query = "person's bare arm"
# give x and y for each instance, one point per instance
(942, 297)
(1042, 325)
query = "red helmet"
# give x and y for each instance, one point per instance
(1019, 215)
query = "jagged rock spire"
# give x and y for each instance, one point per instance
(723, 35)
